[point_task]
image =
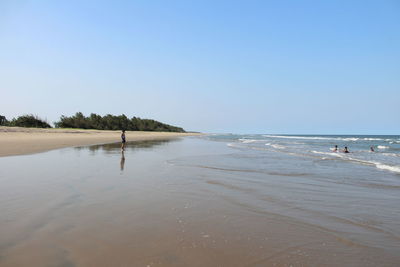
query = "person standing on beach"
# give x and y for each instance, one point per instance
(123, 140)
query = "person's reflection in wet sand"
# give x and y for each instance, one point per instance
(122, 163)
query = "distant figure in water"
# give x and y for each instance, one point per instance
(372, 149)
(345, 150)
(123, 140)
(335, 149)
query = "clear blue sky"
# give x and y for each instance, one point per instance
(211, 66)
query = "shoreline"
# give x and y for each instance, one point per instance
(22, 141)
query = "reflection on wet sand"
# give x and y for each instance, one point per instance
(122, 163)
(114, 148)
(130, 146)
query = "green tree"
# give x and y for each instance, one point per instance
(3, 121)
(29, 121)
(111, 122)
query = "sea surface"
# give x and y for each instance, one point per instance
(214, 200)
(385, 152)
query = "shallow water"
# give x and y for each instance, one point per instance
(210, 201)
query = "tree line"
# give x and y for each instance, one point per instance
(25, 121)
(94, 121)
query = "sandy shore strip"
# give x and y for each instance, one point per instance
(19, 140)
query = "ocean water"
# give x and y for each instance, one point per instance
(214, 200)
(354, 196)
(386, 154)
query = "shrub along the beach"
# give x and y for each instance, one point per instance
(28, 121)
(3, 121)
(111, 122)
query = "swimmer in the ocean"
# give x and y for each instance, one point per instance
(335, 149)
(345, 150)
(372, 149)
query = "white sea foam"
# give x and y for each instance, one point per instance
(233, 145)
(296, 143)
(300, 137)
(346, 139)
(391, 154)
(382, 147)
(275, 146)
(333, 154)
(246, 141)
(388, 168)
(314, 137)
(378, 165)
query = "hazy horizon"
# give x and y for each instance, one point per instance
(216, 67)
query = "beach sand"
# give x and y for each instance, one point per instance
(19, 140)
(182, 202)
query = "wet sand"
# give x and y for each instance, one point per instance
(157, 205)
(18, 140)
